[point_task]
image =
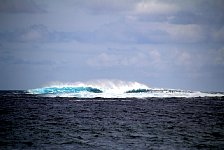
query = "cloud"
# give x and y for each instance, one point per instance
(112, 60)
(185, 33)
(219, 57)
(158, 63)
(184, 58)
(104, 59)
(170, 39)
(153, 7)
(144, 22)
(152, 11)
(204, 13)
(116, 33)
(105, 6)
(38, 33)
(165, 33)
(34, 33)
(20, 6)
(218, 34)
(136, 58)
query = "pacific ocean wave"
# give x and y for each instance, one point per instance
(58, 90)
(114, 89)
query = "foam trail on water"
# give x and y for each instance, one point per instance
(112, 89)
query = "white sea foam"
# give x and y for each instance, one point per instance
(113, 89)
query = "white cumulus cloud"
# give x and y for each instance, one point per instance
(155, 7)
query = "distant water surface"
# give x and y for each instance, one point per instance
(34, 122)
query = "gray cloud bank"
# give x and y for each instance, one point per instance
(163, 43)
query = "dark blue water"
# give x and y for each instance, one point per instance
(32, 122)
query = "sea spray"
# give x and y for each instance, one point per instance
(113, 89)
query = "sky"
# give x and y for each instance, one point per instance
(162, 43)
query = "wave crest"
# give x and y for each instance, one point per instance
(59, 90)
(97, 86)
(113, 89)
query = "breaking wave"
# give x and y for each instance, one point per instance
(58, 90)
(113, 89)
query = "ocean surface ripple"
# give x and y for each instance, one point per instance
(32, 122)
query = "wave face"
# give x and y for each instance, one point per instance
(113, 89)
(58, 90)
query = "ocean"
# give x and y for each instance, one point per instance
(33, 121)
(111, 114)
